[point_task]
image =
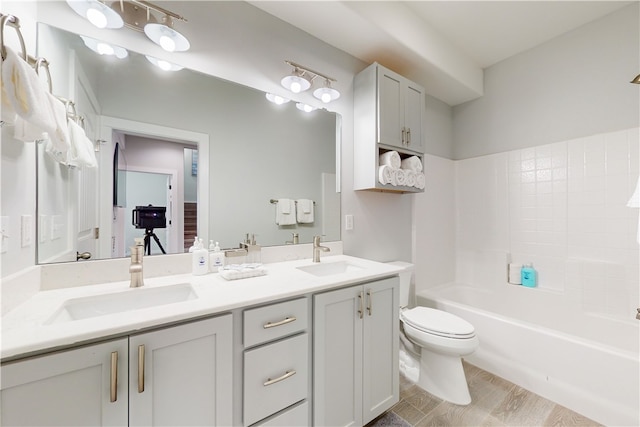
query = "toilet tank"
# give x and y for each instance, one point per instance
(405, 280)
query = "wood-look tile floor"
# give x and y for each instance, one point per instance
(495, 402)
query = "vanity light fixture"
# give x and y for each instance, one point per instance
(136, 15)
(305, 107)
(276, 99)
(104, 48)
(326, 94)
(301, 79)
(636, 80)
(163, 65)
(96, 12)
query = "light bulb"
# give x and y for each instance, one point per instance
(104, 49)
(296, 87)
(167, 43)
(97, 17)
(326, 97)
(165, 65)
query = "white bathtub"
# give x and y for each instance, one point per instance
(588, 363)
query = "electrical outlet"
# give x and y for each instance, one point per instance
(26, 230)
(348, 222)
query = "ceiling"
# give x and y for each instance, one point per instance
(443, 45)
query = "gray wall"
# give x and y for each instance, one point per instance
(575, 85)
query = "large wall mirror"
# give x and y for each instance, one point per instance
(212, 155)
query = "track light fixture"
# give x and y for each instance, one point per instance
(636, 80)
(134, 14)
(276, 99)
(305, 107)
(103, 48)
(163, 65)
(301, 79)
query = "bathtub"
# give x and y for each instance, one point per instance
(531, 337)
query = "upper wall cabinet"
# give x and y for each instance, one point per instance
(389, 115)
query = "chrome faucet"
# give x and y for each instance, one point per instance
(317, 248)
(294, 241)
(135, 269)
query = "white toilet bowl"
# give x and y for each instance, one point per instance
(443, 339)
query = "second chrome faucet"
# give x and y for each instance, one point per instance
(317, 248)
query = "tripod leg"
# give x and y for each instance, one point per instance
(147, 244)
(158, 242)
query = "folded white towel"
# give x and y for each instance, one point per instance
(411, 178)
(81, 152)
(385, 173)
(391, 158)
(420, 180)
(285, 212)
(412, 163)
(304, 211)
(26, 93)
(401, 177)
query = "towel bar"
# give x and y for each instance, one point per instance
(13, 22)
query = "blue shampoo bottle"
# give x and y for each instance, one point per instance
(529, 276)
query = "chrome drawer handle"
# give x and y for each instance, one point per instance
(280, 323)
(114, 377)
(277, 380)
(141, 368)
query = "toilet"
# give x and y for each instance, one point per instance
(436, 340)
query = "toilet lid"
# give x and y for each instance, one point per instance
(438, 322)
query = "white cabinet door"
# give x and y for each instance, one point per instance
(337, 337)
(182, 375)
(70, 388)
(380, 380)
(414, 109)
(356, 353)
(390, 107)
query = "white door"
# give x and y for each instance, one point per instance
(380, 378)
(70, 388)
(182, 376)
(337, 339)
(87, 216)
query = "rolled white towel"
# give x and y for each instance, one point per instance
(411, 178)
(401, 177)
(412, 163)
(421, 180)
(385, 173)
(391, 158)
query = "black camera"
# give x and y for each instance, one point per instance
(149, 217)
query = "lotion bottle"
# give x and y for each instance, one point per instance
(529, 276)
(200, 263)
(216, 257)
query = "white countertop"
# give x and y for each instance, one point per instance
(24, 329)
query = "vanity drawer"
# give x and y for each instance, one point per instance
(275, 321)
(297, 415)
(275, 376)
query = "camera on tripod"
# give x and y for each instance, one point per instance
(150, 217)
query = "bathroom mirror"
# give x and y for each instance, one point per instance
(149, 125)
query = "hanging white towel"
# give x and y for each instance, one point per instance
(285, 212)
(391, 158)
(26, 132)
(59, 134)
(8, 112)
(304, 211)
(412, 163)
(26, 93)
(81, 152)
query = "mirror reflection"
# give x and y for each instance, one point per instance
(209, 154)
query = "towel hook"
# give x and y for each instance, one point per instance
(42, 62)
(14, 22)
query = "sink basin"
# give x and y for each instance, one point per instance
(330, 268)
(128, 300)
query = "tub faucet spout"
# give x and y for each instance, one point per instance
(317, 248)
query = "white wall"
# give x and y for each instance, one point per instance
(575, 85)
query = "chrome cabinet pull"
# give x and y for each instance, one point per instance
(409, 136)
(403, 135)
(286, 320)
(286, 375)
(370, 302)
(114, 376)
(141, 368)
(361, 310)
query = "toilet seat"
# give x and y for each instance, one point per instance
(438, 322)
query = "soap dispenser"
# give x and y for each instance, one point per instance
(216, 257)
(529, 276)
(200, 261)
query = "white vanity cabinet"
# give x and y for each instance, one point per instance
(389, 113)
(355, 375)
(276, 373)
(86, 386)
(180, 375)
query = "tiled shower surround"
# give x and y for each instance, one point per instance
(562, 207)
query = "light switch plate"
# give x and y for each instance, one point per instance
(348, 222)
(26, 230)
(4, 233)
